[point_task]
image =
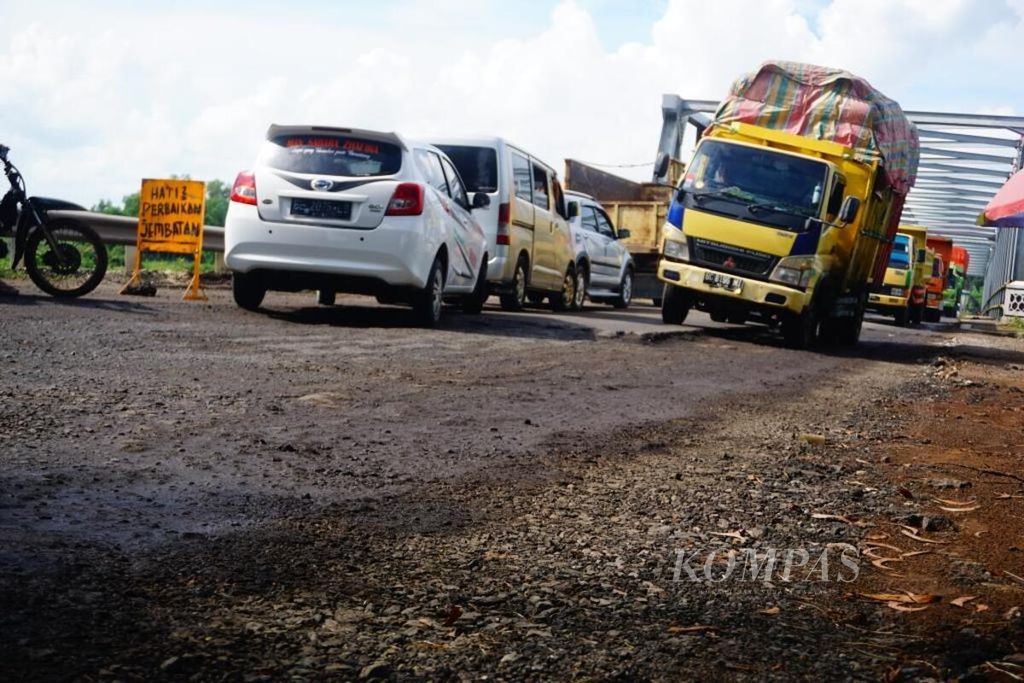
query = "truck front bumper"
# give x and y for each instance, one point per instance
(767, 295)
(886, 304)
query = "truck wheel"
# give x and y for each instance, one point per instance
(849, 331)
(916, 314)
(562, 300)
(515, 298)
(625, 291)
(429, 300)
(718, 315)
(248, 290)
(902, 316)
(675, 305)
(325, 297)
(800, 331)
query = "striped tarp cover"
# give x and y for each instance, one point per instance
(828, 104)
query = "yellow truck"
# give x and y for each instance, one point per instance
(789, 203)
(902, 293)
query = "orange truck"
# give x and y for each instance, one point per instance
(943, 248)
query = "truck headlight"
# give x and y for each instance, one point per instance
(795, 271)
(677, 250)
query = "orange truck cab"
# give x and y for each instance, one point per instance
(943, 250)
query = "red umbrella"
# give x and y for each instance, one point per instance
(1006, 210)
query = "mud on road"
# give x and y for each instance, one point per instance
(191, 491)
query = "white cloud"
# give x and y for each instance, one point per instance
(94, 101)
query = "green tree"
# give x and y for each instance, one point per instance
(217, 195)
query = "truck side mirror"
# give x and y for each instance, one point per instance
(851, 205)
(680, 195)
(574, 210)
(661, 165)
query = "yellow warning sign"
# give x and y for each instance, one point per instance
(171, 221)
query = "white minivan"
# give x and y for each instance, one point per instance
(526, 224)
(357, 211)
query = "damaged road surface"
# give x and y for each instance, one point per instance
(196, 492)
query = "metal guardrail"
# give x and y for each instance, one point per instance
(124, 229)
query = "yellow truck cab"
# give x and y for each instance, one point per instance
(902, 293)
(781, 227)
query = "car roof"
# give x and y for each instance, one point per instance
(581, 195)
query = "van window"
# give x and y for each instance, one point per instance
(521, 177)
(589, 218)
(430, 164)
(332, 155)
(540, 187)
(478, 166)
(454, 183)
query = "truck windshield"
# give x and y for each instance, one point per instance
(757, 184)
(900, 255)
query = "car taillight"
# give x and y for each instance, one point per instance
(504, 218)
(244, 189)
(406, 201)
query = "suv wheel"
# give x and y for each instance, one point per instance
(515, 299)
(625, 291)
(430, 299)
(248, 290)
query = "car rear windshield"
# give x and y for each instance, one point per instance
(478, 166)
(333, 155)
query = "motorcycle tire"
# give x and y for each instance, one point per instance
(79, 266)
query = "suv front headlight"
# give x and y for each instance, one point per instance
(677, 250)
(795, 271)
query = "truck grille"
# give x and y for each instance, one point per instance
(732, 259)
(892, 290)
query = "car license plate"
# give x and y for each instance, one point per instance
(322, 208)
(723, 281)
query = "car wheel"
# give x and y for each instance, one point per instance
(675, 305)
(430, 299)
(625, 291)
(580, 289)
(562, 300)
(248, 290)
(474, 303)
(515, 298)
(325, 297)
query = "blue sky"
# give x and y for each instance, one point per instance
(100, 95)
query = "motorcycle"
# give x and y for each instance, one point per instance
(63, 257)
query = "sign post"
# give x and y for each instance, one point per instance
(171, 221)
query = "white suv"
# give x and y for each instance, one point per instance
(357, 211)
(602, 262)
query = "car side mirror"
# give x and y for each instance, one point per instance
(481, 201)
(661, 163)
(623, 234)
(574, 210)
(851, 205)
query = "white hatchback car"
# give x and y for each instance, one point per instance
(357, 211)
(603, 264)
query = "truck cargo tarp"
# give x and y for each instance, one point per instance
(828, 104)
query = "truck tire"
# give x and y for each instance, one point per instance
(515, 298)
(902, 316)
(800, 330)
(325, 297)
(675, 305)
(916, 314)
